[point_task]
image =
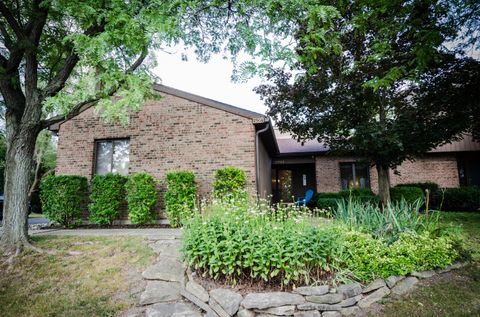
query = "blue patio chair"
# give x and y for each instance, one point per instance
(305, 200)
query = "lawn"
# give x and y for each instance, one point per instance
(87, 276)
(452, 294)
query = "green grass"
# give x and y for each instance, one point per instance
(450, 294)
(87, 276)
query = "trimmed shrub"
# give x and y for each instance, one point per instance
(462, 199)
(229, 180)
(141, 197)
(63, 198)
(410, 194)
(328, 203)
(431, 186)
(107, 196)
(356, 192)
(180, 196)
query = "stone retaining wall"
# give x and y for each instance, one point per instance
(317, 301)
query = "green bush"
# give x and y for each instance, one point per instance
(229, 181)
(356, 192)
(368, 258)
(107, 196)
(63, 198)
(244, 242)
(328, 203)
(141, 197)
(462, 199)
(180, 196)
(431, 186)
(410, 194)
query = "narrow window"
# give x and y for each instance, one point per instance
(112, 156)
(354, 175)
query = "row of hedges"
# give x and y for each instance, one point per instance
(461, 198)
(64, 197)
(450, 199)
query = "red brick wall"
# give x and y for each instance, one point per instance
(168, 134)
(438, 168)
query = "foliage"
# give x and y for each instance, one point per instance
(462, 198)
(180, 197)
(431, 186)
(357, 96)
(389, 223)
(142, 198)
(107, 196)
(229, 180)
(253, 242)
(330, 200)
(328, 203)
(368, 257)
(410, 194)
(63, 198)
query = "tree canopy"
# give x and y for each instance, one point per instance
(389, 90)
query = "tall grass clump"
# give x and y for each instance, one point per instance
(388, 223)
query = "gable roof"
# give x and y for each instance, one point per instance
(255, 116)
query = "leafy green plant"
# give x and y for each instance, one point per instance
(410, 194)
(367, 257)
(63, 198)
(180, 196)
(431, 186)
(462, 198)
(254, 242)
(142, 197)
(229, 181)
(107, 196)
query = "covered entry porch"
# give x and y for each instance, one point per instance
(291, 178)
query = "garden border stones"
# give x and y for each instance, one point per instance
(316, 301)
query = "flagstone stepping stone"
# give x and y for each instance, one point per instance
(373, 297)
(227, 299)
(308, 313)
(424, 274)
(325, 299)
(160, 291)
(167, 269)
(312, 290)
(350, 290)
(274, 299)
(378, 283)
(321, 307)
(170, 248)
(173, 310)
(279, 311)
(392, 280)
(404, 286)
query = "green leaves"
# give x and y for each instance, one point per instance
(180, 197)
(63, 198)
(107, 196)
(142, 198)
(229, 181)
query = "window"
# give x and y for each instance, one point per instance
(112, 156)
(354, 175)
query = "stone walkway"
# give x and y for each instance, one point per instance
(165, 280)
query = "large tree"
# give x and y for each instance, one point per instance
(376, 93)
(58, 55)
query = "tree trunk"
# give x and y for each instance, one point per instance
(19, 164)
(383, 184)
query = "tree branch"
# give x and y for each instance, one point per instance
(6, 37)
(77, 108)
(7, 14)
(58, 82)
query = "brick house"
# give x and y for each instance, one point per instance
(183, 131)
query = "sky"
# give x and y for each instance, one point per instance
(211, 80)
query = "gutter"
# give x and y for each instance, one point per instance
(257, 157)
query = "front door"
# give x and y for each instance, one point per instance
(290, 181)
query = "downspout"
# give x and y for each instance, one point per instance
(257, 157)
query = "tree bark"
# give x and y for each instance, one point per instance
(383, 184)
(19, 163)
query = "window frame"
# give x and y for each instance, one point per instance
(353, 166)
(95, 152)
